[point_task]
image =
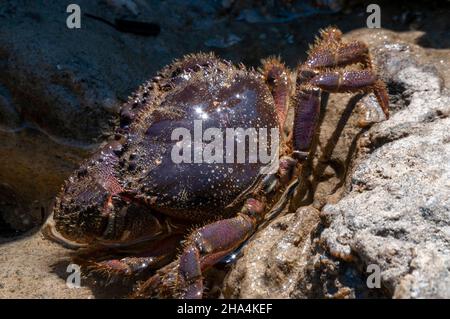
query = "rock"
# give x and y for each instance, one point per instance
(396, 209)
(275, 260)
(61, 89)
(285, 260)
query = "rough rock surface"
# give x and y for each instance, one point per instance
(397, 209)
(386, 192)
(272, 270)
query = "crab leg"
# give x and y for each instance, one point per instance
(342, 55)
(353, 81)
(305, 121)
(307, 108)
(100, 261)
(318, 73)
(346, 81)
(125, 267)
(277, 77)
(329, 51)
(204, 248)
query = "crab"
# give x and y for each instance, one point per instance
(137, 214)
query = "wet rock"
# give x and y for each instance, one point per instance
(396, 209)
(60, 92)
(285, 260)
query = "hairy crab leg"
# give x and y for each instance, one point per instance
(342, 55)
(127, 267)
(318, 72)
(330, 52)
(277, 77)
(144, 257)
(307, 108)
(353, 81)
(204, 248)
(305, 121)
(344, 81)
